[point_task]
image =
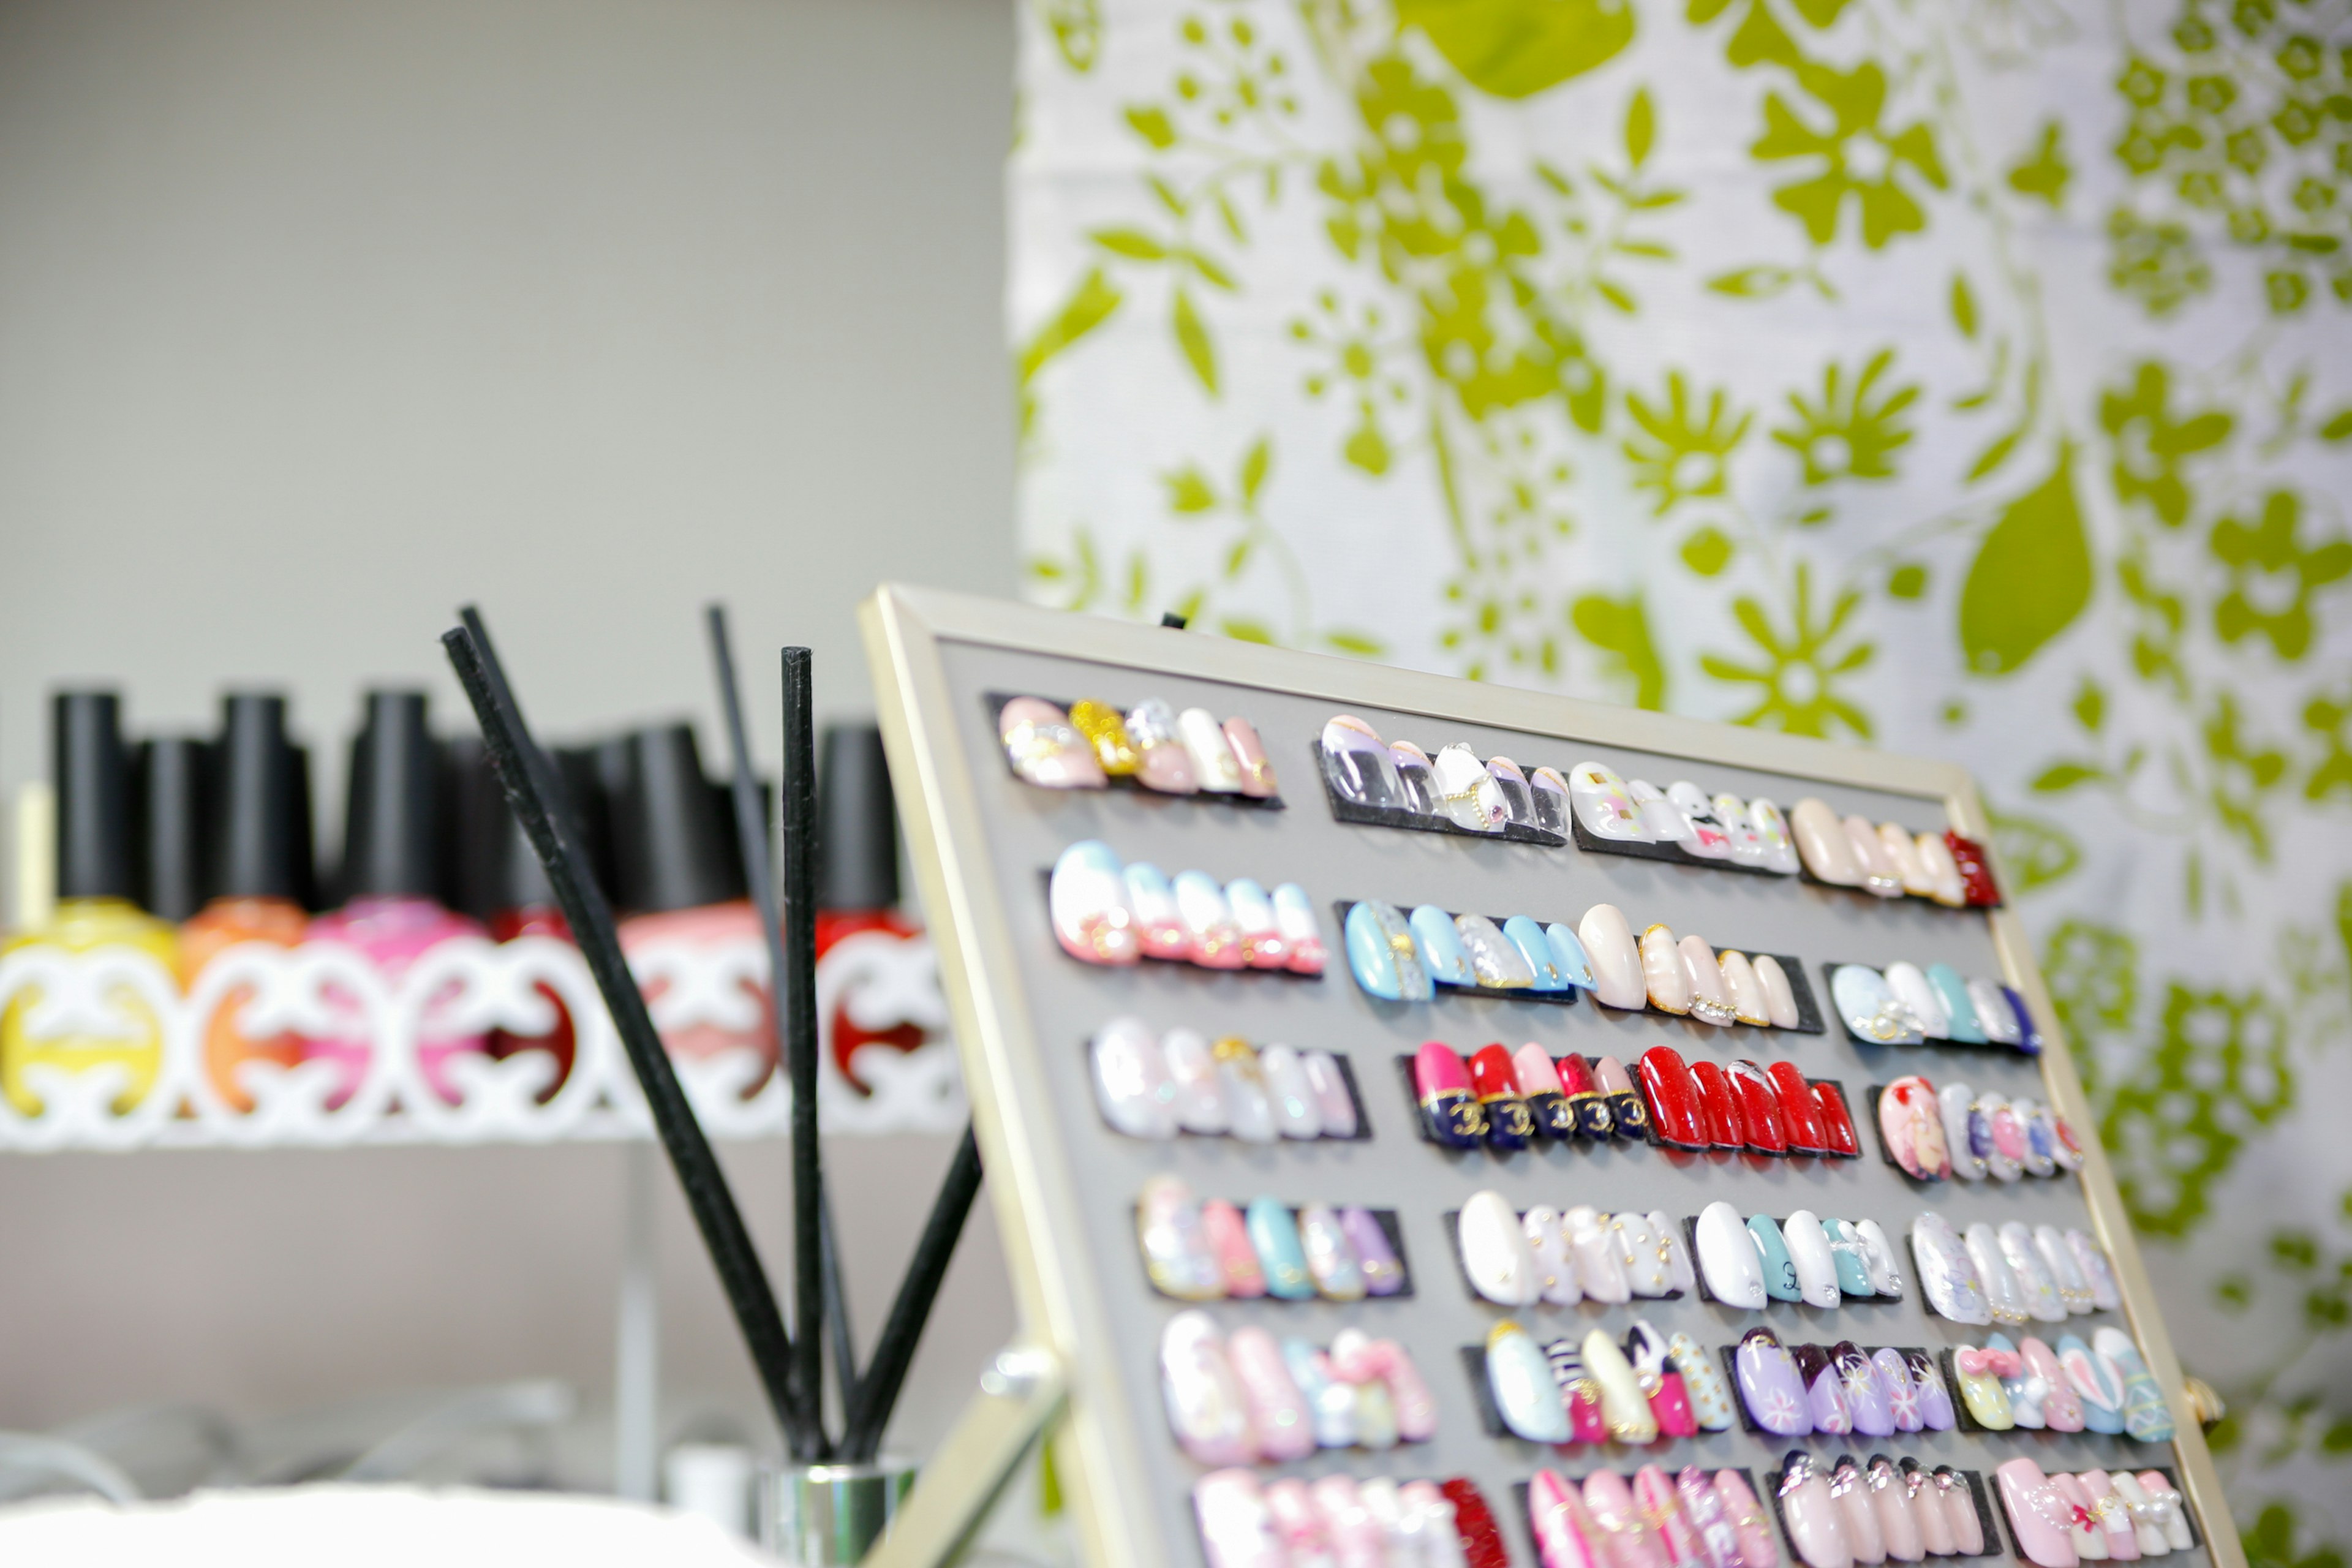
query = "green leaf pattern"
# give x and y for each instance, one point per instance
(1837, 366)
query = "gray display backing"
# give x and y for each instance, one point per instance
(1028, 827)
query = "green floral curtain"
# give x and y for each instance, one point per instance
(1967, 376)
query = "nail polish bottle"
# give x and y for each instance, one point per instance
(681, 881)
(172, 790)
(260, 851)
(96, 894)
(858, 874)
(390, 884)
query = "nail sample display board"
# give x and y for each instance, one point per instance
(1066, 1183)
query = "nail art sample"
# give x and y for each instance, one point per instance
(1624, 1406)
(1710, 996)
(1878, 1255)
(1760, 1107)
(1563, 1530)
(1537, 1078)
(1703, 837)
(1824, 1395)
(1616, 961)
(1356, 1536)
(1277, 1411)
(1757, 1549)
(1440, 946)
(2041, 1157)
(1903, 853)
(1331, 1402)
(1449, 1111)
(1481, 1538)
(1947, 1273)
(1296, 1115)
(1661, 1508)
(1214, 766)
(2171, 1508)
(1165, 764)
(2146, 1534)
(1384, 1270)
(1299, 1521)
(1518, 804)
(1249, 755)
(1850, 1497)
(1891, 1499)
(1911, 1120)
(1993, 1013)
(1878, 874)
(1357, 765)
(1769, 1386)
(1548, 789)
(1838, 1136)
(1335, 1106)
(1263, 943)
(2039, 1517)
(2043, 1303)
(1661, 1381)
(1681, 1275)
(1568, 955)
(2082, 1528)
(1952, 1106)
(1718, 1110)
(1556, 1280)
(1087, 900)
(1823, 844)
(2093, 1260)
(1415, 1407)
(1663, 972)
(1902, 1395)
(1909, 984)
(1331, 1260)
(1495, 961)
(1659, 813)
(2003, 1295)
(1626, 1535)
(2029, 1034)
(1748, 1003)
(1673, 1098)
(1206, 1407)
(1747, 844)
(1927, 1508)
(1227, 1235)
(1466, 792)
(1593, 1118)
(1781, 1282)
(1045, 748)
(1604, 805)
(1175, 1251)
(1730, 1258)
(2004, 1140)
(1772, 832)
(1216, 937)
(1579, 1389)
(1273, 1233)
(1961, 1511)
(1626, 1109)
(1812, 1515)
(1201, 1104)
(1236, 1527)
(1520, 1379)
(1808, 1252)
(1868, 1007)
(1936, 1411)
(1801, 1118)
(1866, 1397)
(1496, 1083)
(1779, 995)
(1104, 729)
(1249, 1103)
(2061, 1410)
(1943, 872)
(1953, 992)
(1495, 1256)
(1133, 1086)
(1846, 1252)
(1718, 1537)
(1159, 922)
(1643, 1253)
(1536, 949)
(1976, 870)
(2073, 1287)
(1980, 1372)
(1382, 955)
(1415, 779)
(1600, 1269)
(2146, 1416)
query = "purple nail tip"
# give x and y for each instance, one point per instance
(1769, 1386)
(1824, 1399)
(1865, 1399)
(1902, 1395)
(1383, 1275)
(1935, 1399)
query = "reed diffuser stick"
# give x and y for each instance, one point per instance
(877, 1391)
(797, 1002)
(528, 780)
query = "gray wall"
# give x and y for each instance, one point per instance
(318, 319)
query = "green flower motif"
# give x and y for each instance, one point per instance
(1798, 679)
(2174, 1129)
(1860, 158)
(2330, 719)
(2149, 443)
(2156, 263)
(2272, 575)
(2243, 772)
(1352, 353)
(1846, 435)
(2093, 971)
(2141, 82)
(1682, 458)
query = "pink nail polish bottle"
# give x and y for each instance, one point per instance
(391, 888)
(680, 877)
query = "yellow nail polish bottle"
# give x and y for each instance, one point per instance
(96, 888)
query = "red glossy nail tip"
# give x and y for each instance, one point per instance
(1837, 1122)
(1800, 1117)
(1976, 871)
(1495, 1082)
(1474, 1521)
(1672, 1094)
(1760, 1107)
(1585, 1099)
(1718, 1112)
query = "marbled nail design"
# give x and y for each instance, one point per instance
(1495, 961)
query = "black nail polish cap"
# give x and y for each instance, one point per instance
(392, 828)
(261, 818)
(673, 832)
(91, 771)
(856, 822)
(174, 778)
(497, 868)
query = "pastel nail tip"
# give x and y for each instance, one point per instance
(1133, 1085)
(1495, 960)
(1045, 748)
(1214, 766)
(1548, 790)
(1568, 956)
(1809, 1250)
(1749, 1005)
(1770, 1385)
(1526, 935)
(1249, 752)
(1525, 1394)
(1868, 1005)
(1381, 954)
(1495, 1256)
(1273, 1232)
(1729, 1256)
(1663, 972)
(1357, 764)
(1440, 946)
(1618, 977)
(2039, 1517)
(1518, 802)
(1087, 899)
(1710, 996)
(1911, 990)
(1466, 792)
(1952, 992)
(1823, 844)
(1603, 803)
